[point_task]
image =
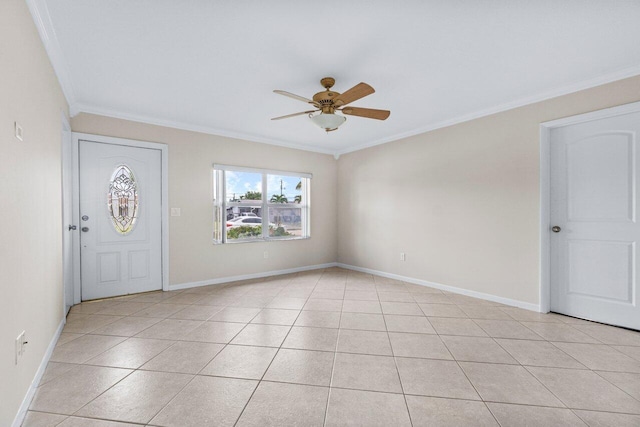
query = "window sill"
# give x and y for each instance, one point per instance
(235, 242)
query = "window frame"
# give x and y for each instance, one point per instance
(220, 204)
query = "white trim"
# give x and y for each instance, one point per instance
(475, 294)
(164, 149)
(262, 171)
(165, 217)
(67, 144)
(227, 279)
(544, 267)
(42, 20)
(618, 110)
(545, 186)
(66, 126)
(461, 291)
(563, 90)
(24, 407)
(75, 158)
(90, 109)
(77, 108)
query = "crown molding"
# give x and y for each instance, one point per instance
(78, 108)
(42, 20)
(563, 90)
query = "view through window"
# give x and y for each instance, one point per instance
(252, 205)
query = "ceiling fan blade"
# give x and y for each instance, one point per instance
(369, 113)
(294, 96)
(358, 91)
(293, 115)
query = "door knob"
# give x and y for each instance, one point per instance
(556, 229)
(85, 229)
(72, 227)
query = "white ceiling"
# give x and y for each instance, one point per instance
(212, 65)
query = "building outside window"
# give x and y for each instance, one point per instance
(257, 204)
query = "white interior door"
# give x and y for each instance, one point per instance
(594, 203)
(120, 219)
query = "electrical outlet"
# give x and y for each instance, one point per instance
(402, 256)
(20, 345)
(175, 211)
(266, 254)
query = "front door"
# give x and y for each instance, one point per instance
(120, 219)
(595, 230)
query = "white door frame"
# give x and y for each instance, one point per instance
(545, 188)
(66, 154)
(164, 150)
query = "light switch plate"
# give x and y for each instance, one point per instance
(18, 131)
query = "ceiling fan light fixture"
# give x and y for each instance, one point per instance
(327, 121)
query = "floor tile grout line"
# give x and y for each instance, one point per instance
(270, 363)
(470, 382)
(228, 343)
(541, 366)
(101, 419)
(545, 386)
(578, 415)
(553, 343)
(238, 296)
(615, 385)
(333, 365)
(106, 390)
(342, 352)
(635, 414)
(189, 382)
(193, 377)
(395, 362)
(492, 414)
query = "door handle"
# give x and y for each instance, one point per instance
(85, 229)
(72, 227)
(556, 229)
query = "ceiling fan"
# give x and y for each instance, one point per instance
(329, 101)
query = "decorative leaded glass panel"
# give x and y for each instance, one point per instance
(123, 199)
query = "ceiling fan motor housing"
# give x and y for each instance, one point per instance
(325, 99)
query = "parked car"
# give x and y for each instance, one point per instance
(250, 221)
(232, 220)
(248, 214)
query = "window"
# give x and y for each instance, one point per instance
(122, 199)
(257, 205)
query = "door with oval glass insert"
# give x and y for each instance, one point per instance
(121, 217)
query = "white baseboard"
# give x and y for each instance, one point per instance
(475, 294)
(22, 412)
(227, 279)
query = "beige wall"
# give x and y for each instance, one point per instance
(193, 257)
(462, 202)
(30, 236)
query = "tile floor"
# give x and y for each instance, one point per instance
(333, 347)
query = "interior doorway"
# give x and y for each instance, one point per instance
(592, 229)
